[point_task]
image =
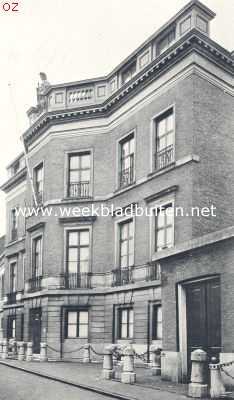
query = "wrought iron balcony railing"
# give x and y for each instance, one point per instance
(164, 157)
(122, 276)
(126, 176)
(153, 271)
(35, 284)
(76, 280)
(143, 273)
(39, 196)
(79, 190)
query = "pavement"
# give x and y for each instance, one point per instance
(88, 376)
(15, 385)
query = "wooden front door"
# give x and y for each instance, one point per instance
(203, 318)
(35, 324)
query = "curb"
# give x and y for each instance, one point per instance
(71, 383)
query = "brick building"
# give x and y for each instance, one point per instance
(157, 132)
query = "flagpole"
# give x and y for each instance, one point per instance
(29, 172)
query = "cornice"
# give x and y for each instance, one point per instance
(79, 220)
(164, 192)
(193, 41)
(15, 180)
(193, 244)
(39, 225)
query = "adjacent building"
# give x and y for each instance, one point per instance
(156, 133)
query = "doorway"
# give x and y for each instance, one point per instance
(199, 320)
(35, 328)
(203, 317)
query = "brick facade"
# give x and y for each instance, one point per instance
(200, 176)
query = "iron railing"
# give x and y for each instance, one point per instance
(79, 190)
(76, 280)
(35, 284)
(39, 196)
(122, 276)
(143, 273)
(126, 176)
(153, 271)
(164, 157)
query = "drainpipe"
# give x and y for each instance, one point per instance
(61, 333)
(148, 333)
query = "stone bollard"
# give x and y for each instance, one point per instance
(107, 372)
(86, 354)
(21, 351)
(43, 352)
(5, 349)
(198, 386)
(128, 375)
(29, 354)
(217, 388)
(156, 360)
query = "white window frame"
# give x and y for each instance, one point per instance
(156, 204)
(118, 158)
(77, 228)
(118, 222)
(36, 236)
(77, 310)
(153, 135)
(89, 150)
(35, 167)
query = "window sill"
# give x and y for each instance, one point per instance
(161, 171)
(76, 338)
(77, 199)
(125, 188)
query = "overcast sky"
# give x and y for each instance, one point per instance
(72, 40)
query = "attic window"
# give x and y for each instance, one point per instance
(166, 42)
(129, 72)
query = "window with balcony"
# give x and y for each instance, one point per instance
(79, 175)
(129, 72)
(127, 161)
(39, 182)
(123, 274)
(125, 323)
(164, 126)
(164, 227)
(157, 322)
(77, 324)
(78, 259)
(14, 224)
(166, 42)
(35, 281)
(11, 327)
